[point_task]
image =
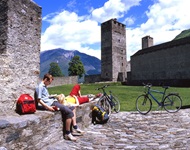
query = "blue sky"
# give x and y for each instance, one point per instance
(75, 24)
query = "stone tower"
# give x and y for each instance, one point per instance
(147, 41)
(20, 30)
(113, 51)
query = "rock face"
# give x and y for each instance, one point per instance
(20, 32)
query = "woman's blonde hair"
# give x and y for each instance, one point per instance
(61, 98)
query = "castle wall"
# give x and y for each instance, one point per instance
(58, 81)
(92, 78)
(165, 62)
(20, 30)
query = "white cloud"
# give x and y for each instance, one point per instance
(70, 31)
(113, 9)
(166, 19)
(129, 21)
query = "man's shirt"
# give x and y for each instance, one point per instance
(43, 94)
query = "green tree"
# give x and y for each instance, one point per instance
(55, 70)
(76, 67)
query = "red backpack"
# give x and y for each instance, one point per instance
(25, 104)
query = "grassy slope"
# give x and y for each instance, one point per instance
(183, 34)
(126, 94)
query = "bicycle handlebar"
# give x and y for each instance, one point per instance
(102, 87)
(149, 85)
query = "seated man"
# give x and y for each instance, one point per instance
(51, 104)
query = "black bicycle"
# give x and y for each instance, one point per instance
(109, 102)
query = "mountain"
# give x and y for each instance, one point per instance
(92, 65)
(183, 34)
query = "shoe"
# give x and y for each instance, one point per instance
(78, 131)
(70, 137)
(91, 96)
(98, 95)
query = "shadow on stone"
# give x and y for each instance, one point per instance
(185, 107)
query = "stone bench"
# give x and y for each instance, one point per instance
(35, 131)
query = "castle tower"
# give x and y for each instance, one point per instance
(20, 30)
(113, 51)
(147, 41)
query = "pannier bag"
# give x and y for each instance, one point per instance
(25, 104)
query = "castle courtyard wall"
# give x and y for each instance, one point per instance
(58, 81)
(162, 63)
(20, 30)
(92, 78)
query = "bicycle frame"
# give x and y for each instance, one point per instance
(109, 101)
(170, 102)
(105, 95)
(149, 92)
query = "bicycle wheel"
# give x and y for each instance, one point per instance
(103, 102)
(143, 104)
(115, 104)
(172, 103)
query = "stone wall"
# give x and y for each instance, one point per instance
(92, 78)
(165, 62)
(20, 30)
(58, 81)
(36, 131)
(97, 78)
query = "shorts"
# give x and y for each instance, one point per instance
(65, 110)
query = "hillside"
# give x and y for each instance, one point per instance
(91, 64)
(183, 34)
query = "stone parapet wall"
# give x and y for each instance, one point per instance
(83, 114)
(31, 131)
(19, 49)
(36, 131)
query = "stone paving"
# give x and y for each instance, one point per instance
(133, 131)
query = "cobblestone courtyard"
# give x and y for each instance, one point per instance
(131, 130)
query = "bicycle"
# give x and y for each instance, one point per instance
(108, 102)
(171, 102)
